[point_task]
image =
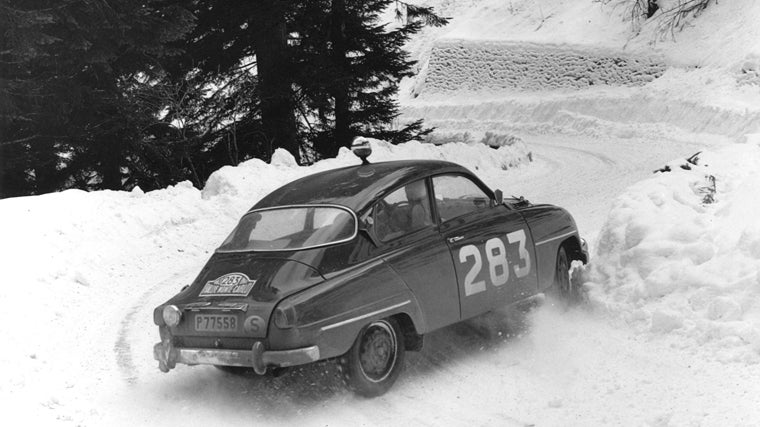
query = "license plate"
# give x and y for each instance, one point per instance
(215, 322)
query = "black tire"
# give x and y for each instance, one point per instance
(567, 291)
(376, 358)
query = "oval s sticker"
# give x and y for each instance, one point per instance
(253, 324)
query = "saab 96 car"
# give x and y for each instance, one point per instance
(357, 264)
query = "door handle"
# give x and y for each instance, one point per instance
(455, 239)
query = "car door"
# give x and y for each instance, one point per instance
(491, 246)
(403, 223)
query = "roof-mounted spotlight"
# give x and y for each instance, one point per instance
(361, 148)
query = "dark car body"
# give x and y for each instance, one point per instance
(292, 307)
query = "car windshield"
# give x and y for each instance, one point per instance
(291, 228)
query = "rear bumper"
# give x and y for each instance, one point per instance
(257, 358)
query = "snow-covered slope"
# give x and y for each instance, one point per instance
(587, 60)
(669, 337)
(680, 255)
(85, 271)
(81, 271)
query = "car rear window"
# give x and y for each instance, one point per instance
(291, 228)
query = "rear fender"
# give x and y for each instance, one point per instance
(331, 314)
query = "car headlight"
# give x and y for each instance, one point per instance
(172, 315)
(285, 316)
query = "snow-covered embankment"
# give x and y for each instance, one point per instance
(679, 261)
(82, 271)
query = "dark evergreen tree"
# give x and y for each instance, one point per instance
(65, 69)
(112, 94)
(237, 60)
(349, 66)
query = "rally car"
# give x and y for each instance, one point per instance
(357, 264)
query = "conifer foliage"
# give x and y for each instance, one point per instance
(112, 94)
(66, 119)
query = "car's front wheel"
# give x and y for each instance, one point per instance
(376, 358)
(567, 291)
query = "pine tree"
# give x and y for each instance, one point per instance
(65, 69)
(112, 94)
(350, 68)
(240, 46)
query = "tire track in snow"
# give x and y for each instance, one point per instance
(596, 155)
(122, 347)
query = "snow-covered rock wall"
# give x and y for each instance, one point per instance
(477, 66)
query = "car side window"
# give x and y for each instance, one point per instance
(456, 195)
(403, 211)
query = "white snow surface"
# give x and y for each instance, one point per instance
(85, 270)
(670, 335)
(670, 262)
(563, 45)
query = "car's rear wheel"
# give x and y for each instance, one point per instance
(376, 358)
(567, 291)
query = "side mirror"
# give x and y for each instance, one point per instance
(499, 197)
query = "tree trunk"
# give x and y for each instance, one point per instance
(14, 162)
(45, 167)
(339, 88)
(110, 164)
(275, 79)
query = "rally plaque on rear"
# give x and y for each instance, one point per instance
(229, 285)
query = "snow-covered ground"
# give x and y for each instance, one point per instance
(671, 332)
(680, 255)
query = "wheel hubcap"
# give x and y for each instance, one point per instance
(377, 352)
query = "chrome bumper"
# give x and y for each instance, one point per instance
(257, 358)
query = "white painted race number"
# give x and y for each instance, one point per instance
(470, 285)
(498, 265)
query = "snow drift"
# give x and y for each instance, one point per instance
(84, 269)
(680, 254)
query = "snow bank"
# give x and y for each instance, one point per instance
(60, 239)
(251, 180)
(723, 35)
(620, 114)
(486, 65)
(64, 238)
(672, 263)
(81, 270)
(496, 50)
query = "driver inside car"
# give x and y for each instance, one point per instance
(419, 205)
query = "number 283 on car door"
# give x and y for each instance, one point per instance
(494, 250)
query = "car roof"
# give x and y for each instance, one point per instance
(355, 186)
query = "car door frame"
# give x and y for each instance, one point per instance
(485, 295)
(439, 307)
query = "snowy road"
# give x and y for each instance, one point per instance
(83, 271)
(112, 257)
(576, 368)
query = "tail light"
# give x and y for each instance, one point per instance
(172, 315)
(285, 316)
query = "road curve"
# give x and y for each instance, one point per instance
(502, 369)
